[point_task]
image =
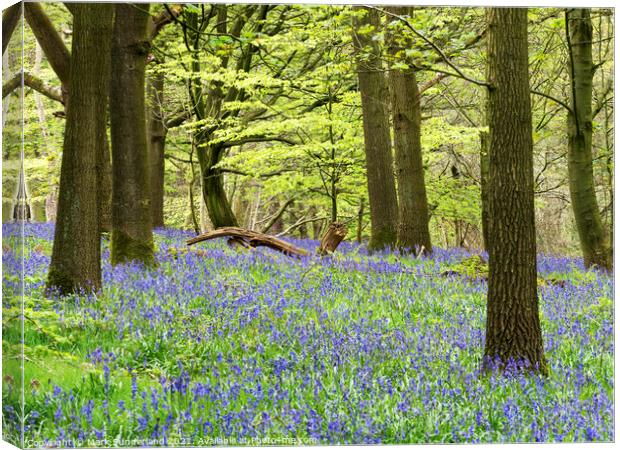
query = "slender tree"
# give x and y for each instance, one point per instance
(157, 142)
(513, 328)
(132, 237)
(76, 258)
(592, 237)
(484, 189)
(379, 165)
(412, 231)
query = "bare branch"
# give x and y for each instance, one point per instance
(52, 92)
(277, 215)
(50, 41)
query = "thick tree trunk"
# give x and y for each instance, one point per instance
(132, 237)
(379, 166)
(484, 189)
(75, 260)
(513, 328)
(592, 237)
(412, 229)
(157, 143)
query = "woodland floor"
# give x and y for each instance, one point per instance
(217, 346)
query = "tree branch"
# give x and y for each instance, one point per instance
(164, 18)
(49, 40)
(432, 82)
(277, 215)
(247, 140)
(300, 223)
(10, 17)
(435, 47)
(33, 82)
(558, 101)
(177, 119)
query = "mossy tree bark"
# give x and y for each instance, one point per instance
(412, 231)
(76, 255)
(132, 238)
(592, 237)
(513, 327)
(379, 164)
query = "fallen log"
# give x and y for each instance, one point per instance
(249, 238)
(335, 233)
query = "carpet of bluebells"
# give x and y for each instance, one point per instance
(220, 346)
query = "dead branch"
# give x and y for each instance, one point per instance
(252, 239)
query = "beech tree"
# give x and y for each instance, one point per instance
(513, 327)
(592, 236)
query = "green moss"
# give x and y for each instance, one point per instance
(59, 281)
(382, 240)
(124, 248)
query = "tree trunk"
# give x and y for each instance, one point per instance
(360, 221)
(513, 331)
(484, 189)
(157, 143)
(379, 166)
(334, 235)
(75, 260)
(104, 174)
(594, 244)
(132, 237)
(412, 229)
(208, 105)
(218, 206)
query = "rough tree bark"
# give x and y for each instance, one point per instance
(592, 237)
(379, 166)
(513, 328)
(412, 231)
(132, 237)
(75, 261)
